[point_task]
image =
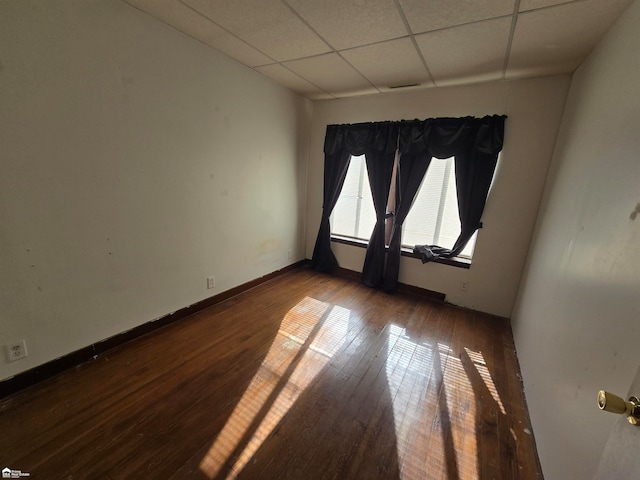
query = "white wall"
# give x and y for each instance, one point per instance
(135, 162)
(576, 323)
(534, 108)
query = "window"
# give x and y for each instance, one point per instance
(354, 215)
(433, 219)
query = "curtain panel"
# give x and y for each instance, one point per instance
(379, 140)
(474, 143)
(380, 171)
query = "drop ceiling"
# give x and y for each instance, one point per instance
(326, 49)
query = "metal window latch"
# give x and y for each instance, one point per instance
(614, 404)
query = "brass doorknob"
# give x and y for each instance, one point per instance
(614, 404)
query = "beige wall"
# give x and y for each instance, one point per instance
(534, 108)
(577, 320)
(135, 162)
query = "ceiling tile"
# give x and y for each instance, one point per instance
(558, 39)
(535, 4)
(268, 25)
(395, 62)
(435, 14)
(290, 80)
(319, 96)
(352, 23)
(473, 52)
(331, 73)
(185, 19)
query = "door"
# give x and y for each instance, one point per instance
(621, 456)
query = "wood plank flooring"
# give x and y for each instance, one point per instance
(308, 376)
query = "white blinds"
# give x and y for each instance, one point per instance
(433, 218)
(354, 215)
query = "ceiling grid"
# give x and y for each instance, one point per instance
(325, 49)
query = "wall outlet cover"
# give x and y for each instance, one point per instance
(16, 351)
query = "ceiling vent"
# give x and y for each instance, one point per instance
(404, 86)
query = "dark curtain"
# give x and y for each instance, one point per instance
(335, 171)
(475, 164)
(411, 170)
(342, 141)
(380, 170)
(475, 144)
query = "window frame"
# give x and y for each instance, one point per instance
(460, 262)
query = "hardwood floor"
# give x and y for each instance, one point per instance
(308, 376)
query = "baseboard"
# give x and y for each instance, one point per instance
(413, 290)
(401, 287)
(37, 374)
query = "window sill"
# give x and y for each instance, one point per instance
(459, 262)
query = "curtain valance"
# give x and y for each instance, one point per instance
(445, 137)
(437, 137)
(358, 138)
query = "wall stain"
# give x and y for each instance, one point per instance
(635, 212)
(268, 246)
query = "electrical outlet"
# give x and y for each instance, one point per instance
(211, 282)
(16, 351)
(464, 286)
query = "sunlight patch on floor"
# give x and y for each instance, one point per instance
(309, 335)
(481, 366)
(431, 393)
